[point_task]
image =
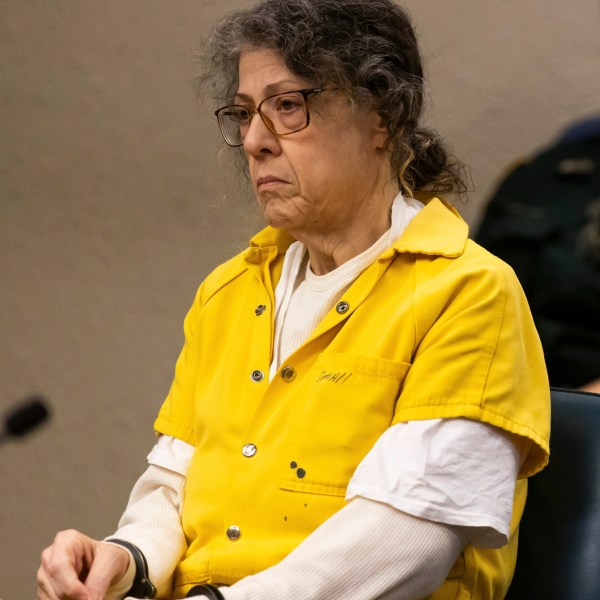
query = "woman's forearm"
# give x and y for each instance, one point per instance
(366, 550)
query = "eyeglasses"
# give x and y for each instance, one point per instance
(282, 113)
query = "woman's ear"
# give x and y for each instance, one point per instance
(380, 131)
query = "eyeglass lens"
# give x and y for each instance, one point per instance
(282, 114)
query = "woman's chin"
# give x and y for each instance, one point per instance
(279, 219)
(279, 223)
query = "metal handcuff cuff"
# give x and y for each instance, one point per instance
(142, 586)
(205, 591)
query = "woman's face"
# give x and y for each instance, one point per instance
(321, 180)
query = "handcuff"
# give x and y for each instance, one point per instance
(142, 587)
(205, 591)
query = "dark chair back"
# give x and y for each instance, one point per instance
(559, 539)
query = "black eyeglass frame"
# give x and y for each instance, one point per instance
(253, 111)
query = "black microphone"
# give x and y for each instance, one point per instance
(24, 418)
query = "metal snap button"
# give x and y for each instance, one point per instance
(288, 374)
(234, 533)
(249, 450)
(257, 376)
(342, 307)
(260, 309)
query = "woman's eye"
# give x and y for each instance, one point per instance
(288, 104)
(243, 116)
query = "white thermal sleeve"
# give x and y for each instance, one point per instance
(366, 550)
(152, 522)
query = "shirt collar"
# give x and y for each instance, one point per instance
(438, 229)
(269, 241)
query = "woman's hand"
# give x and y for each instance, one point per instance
(76, 567)
(592, 386)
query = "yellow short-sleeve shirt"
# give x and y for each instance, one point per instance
(436, 327)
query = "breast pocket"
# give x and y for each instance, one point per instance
(347, 402)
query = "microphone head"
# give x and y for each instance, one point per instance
(25, 417)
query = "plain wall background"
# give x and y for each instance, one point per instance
(112, 211)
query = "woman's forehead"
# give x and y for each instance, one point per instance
(264, 72)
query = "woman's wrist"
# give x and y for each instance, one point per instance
(141, 586)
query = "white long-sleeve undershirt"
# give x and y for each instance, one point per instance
(152, 522)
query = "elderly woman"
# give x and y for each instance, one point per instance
(362, 394)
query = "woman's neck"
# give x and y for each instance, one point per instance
(330, 249)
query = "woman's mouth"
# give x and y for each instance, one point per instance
(268, 181)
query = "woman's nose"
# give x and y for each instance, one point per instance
(259, 138)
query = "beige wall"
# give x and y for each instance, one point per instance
(111, 213)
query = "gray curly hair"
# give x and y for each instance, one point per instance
(366, 47)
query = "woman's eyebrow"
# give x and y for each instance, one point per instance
(272, 88)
